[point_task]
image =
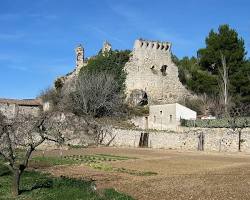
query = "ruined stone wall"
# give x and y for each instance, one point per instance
(8, 110)
(215, 139)
(29, 110)
(11, 110)
(151, 69)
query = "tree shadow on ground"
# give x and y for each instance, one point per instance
(48, 183)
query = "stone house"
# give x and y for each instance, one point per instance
(12, 107)
(165, 116)
(168, 116)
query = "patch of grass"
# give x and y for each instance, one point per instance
(135, 172)
(4, 170)
(43, 162)
(77, 146)
(106, 167)
(39, 186)
(97, 161)
(101, 166)
(116, 157)
(96, 158)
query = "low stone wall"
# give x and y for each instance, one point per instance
(215, 139)
(10, 110)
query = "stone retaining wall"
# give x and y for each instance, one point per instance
(215, 139)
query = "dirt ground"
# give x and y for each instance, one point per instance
(181, 175)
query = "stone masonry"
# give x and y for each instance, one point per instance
(12, 107)
(151, 69)
(214, 139)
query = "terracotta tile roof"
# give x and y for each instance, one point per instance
(22, 102)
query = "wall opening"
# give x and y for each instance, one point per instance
(146, 122)
(144, 140)
(201, 139)
(170, 118)
(164, 69)
(153, 70)
(144, 100)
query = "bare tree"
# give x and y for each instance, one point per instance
(96, 95)
(27, 133)
(224, 83)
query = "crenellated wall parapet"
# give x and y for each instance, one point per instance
(152, 45)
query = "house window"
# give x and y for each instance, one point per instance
(170, 118)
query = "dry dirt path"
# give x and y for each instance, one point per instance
(181, 175)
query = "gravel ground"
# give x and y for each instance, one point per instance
(181, 175)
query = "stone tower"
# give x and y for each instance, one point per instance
(106, 47)
(150, 70)
(79, 57)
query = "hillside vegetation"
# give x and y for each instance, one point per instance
(203, 73)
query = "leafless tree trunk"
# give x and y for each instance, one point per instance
(224, 83)
(27, 133)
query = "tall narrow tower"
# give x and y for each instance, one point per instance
(79, 56)
(106, 47)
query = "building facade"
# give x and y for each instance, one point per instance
(165, 117)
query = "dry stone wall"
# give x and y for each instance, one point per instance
(215, 139)
(11, 110)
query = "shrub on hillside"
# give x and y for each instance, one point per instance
(112, 62)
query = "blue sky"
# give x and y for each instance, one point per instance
(38, 37)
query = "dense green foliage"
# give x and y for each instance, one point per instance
(195, 78)
(112, 62)
(227, 42)
(41, 186)
(201, 74)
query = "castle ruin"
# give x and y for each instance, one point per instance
(151, 70)
(152, 77)
(79, 58)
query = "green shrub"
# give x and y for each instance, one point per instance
(215, 123)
